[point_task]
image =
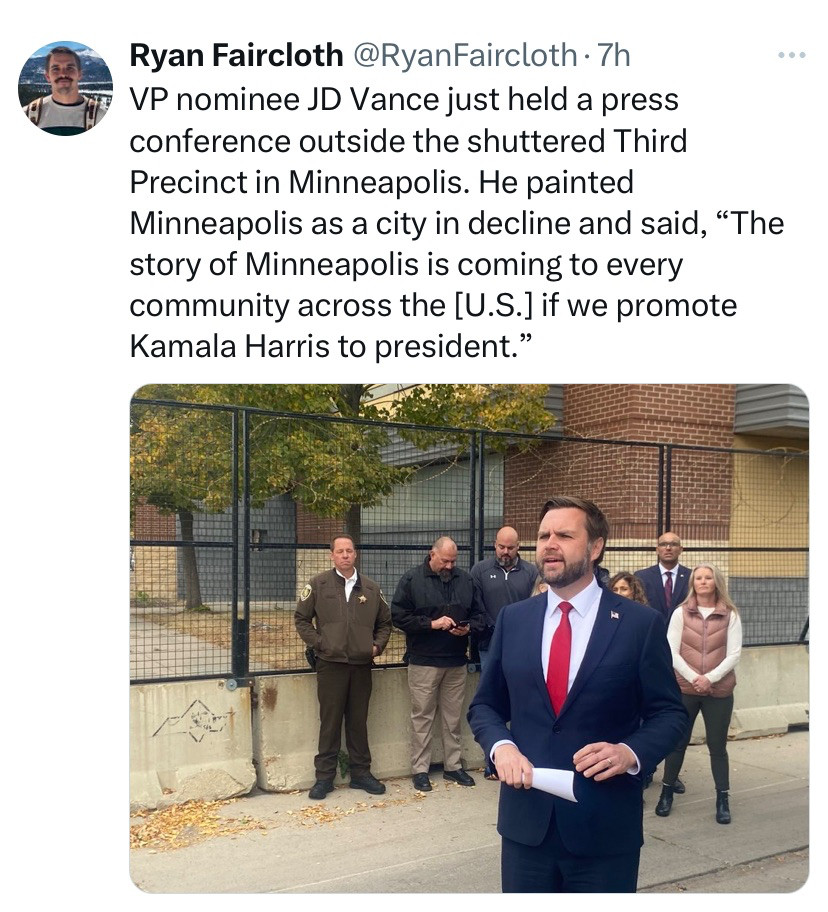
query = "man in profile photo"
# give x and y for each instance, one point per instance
(65, 112)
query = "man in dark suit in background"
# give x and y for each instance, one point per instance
(666, 586)
(584, 680)
(666, 582)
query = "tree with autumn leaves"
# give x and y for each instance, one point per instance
(181, 458)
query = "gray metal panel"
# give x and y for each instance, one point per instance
(272, 572)
(400, 452)
(773, 610)
(554, 404)
(773, 409)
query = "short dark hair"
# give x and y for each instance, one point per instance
(595, 521)
(336, 538)
(63, 50)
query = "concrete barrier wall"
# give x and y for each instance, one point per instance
(286, 729)
(188, 740)
(199, 740)
(771, 691)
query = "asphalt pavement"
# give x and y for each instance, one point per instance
(445, 841)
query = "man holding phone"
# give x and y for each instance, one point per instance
(437, 605)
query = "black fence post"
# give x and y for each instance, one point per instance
(660, 495)
(481, 497)
(472, 512)
(241, 640)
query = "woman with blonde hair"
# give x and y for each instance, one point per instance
(705, 636)
(540, 586)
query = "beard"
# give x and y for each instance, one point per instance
(506, 562)
(445, 575)
(566, 574)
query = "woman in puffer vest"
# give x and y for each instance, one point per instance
(705, 636)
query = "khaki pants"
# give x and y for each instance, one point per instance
(432, 688)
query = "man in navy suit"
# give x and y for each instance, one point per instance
(583, 679)
(666, 586)
(666, 582)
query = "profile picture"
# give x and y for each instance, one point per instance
(65, 88)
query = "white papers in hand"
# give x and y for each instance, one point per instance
(556, 782)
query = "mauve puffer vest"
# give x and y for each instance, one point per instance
(704, 647)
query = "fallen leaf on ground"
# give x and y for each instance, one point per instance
(185, 824)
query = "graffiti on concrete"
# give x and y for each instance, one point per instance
(197, 720)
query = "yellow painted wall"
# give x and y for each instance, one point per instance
(769, 507)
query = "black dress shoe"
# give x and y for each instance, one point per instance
(679, 788)
(421, 782)
(368, 783)
(461, 777)
(320, 789)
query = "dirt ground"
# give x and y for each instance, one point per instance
(274, 642)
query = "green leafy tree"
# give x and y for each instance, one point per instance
(181, 459)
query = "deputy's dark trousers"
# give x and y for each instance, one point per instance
(344, 692)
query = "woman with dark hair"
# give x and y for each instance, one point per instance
(629, 586)
(705, 636)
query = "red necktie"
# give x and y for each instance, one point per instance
(557, 674)
(668, 589)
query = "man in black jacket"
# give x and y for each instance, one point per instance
(501, 580)
(437, 605)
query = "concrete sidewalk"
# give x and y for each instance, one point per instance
(446, 842)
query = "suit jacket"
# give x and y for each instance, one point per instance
(625, 690)
(654, 587)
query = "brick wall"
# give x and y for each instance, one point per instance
(700, 414)
(315, 530)
(624, 480)
(150, 523)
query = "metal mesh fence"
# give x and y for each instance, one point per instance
(233, 510)
(747, 513)
(184, 481)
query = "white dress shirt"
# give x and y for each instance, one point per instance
(673, 571)
(581, 620)
(349, 583)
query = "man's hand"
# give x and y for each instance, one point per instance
(702, 685)
(460, 630)
(512, 767)
(375, 651)
(604, 760)
(443, 623)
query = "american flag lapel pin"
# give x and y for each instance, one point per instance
(614, 615)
